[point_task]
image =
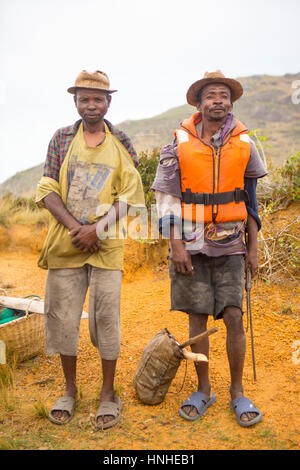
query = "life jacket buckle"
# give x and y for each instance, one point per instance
(206, 199)
(188, 196)
(237, 195)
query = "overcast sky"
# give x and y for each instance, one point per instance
(152, 51)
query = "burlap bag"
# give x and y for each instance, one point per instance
(157, 368)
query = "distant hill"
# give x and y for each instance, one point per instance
(266, 105)
(23, 183)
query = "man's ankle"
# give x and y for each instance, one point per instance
(204, 389)
(71, 390)
(107, 394)
(236, 392)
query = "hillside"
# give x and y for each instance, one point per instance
(266, 105)
(23, 183)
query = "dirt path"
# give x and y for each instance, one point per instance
(145, 311)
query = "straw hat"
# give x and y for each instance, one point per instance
(96, 81)
(213, 77)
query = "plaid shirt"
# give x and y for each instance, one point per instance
(60, 143)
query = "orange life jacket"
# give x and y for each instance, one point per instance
(212, 177)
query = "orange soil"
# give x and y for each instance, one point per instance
(145, 311)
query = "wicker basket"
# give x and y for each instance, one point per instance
(25, 336)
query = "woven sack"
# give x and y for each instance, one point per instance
(25, 336)
(157, 368)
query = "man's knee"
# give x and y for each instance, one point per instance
(233, 319)
(197, 323)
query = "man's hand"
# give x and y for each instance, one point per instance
(85, 238)
(251, 262)
(181, 258)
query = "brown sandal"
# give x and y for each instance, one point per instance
(63, 404)
(107, 408)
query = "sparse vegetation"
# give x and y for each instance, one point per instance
(6, 376)
(147, 166)
(281, 187)
(21, 210)
(279, 243)
(40, 409)
(7, 400)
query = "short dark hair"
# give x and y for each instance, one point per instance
(199, 94)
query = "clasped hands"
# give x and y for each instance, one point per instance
(84, 238)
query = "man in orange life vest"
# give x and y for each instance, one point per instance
(205, 189)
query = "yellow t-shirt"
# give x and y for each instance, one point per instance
(91, 179)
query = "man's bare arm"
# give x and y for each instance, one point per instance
(251, 260)
(55, 205)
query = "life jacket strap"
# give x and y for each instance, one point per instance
(210, 199)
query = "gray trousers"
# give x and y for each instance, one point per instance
(66, 291)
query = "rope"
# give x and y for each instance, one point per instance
(32, 300)
(210, 231)
(183, 379)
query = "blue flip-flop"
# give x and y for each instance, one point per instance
(244, 405)
(200, 401)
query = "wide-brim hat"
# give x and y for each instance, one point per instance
(192, 95)
(96, 81)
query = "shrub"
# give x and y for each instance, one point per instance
(282, 186)
(289, 178)
(147, 168)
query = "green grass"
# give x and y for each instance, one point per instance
(40, 409)
(6, 375)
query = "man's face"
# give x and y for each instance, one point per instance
(215, 102)
(92, 105)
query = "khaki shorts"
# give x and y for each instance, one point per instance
(66, 291)
(217, 283)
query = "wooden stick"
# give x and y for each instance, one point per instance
(196, 357)
(197, 338)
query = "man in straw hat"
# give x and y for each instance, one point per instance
(89, 181)
(205, 190)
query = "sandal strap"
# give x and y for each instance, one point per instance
(64, 404)
(198, 400)
(244, 405)
(109, 408)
